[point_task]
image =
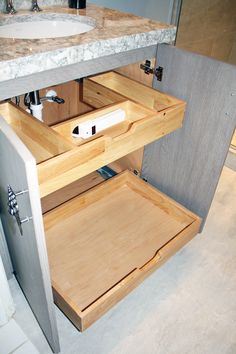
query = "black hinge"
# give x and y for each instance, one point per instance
(158, 73)
(146, 67)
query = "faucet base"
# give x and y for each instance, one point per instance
(10, 10)
(36, 8)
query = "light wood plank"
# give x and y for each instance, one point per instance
(117, 219)
(90, 251)
(133, 71)
(131, 162)
(66, 168)
(99, 96)
(42, 141)
(71, 92)
(134, 160)
(233, 141)
(62, 195)
(115, 83)
(102, 305)
(135, 91)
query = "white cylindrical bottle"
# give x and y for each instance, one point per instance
(37, 111)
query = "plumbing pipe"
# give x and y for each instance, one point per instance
(36, 111)
(34, 97)
(36, 105)
(33, 101)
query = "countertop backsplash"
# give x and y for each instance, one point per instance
(26, 4)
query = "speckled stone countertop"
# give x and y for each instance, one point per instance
(115, 32)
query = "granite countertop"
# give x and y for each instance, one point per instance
(115, 32)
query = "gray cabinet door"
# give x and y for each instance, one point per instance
(186, 164)
(28, 251)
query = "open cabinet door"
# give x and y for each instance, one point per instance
(186, 165)
(28, 250)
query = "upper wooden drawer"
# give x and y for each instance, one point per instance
(104, 89)
(62, 159)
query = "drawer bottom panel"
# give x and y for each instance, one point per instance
(104, 242)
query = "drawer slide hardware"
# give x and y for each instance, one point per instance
(13, 207)
(146, 67)
(106, 172)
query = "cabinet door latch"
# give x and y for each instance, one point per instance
(13, 207)
(146, 67)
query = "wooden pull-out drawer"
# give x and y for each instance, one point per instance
(104, 242)
(111, 87)
(62, 159)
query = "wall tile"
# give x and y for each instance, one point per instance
(191, 27)
(208, 28)
(222, 46)
(204, 47)
(191, 7)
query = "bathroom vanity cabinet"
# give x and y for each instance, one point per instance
(103, 242)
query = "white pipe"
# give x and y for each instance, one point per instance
(36, 111)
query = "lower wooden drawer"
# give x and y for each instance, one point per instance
(104, 242)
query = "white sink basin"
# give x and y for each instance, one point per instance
(38, 26)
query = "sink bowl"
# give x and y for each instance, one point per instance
(38, 26)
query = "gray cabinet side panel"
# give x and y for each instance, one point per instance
(186, 164)
(5, 254)
(28, 251)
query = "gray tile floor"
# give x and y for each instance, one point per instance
(14, 341)
(187, 306)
